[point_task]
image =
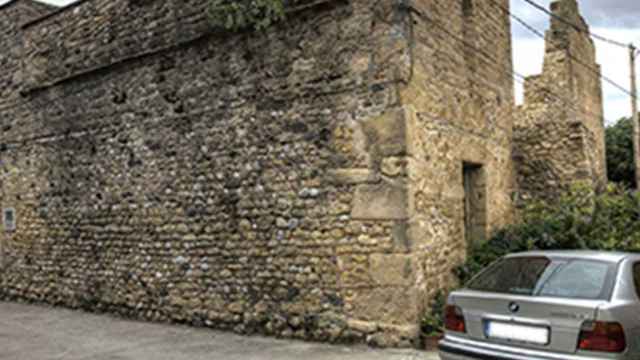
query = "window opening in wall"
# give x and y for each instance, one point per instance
(475, 203)
(9, 219)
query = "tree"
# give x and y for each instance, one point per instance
(578, 219)
(619, 139)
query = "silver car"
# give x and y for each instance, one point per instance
(575, 305)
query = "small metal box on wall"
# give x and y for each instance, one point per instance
(9, 219)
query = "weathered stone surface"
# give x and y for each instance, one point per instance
(14, 14)
(353, 176)
(163, 172)
(559, 130)
(393, 269)
(362, 326)
(310, 181)
(394, 306)
(460, 113)
(386, 135)
(382, 201)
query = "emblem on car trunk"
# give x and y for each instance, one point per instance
(514, 307)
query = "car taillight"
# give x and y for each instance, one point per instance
(454, 319)
(603, 337)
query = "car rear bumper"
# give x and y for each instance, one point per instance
(453, 348)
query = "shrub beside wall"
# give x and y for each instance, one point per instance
(577, 220)
(235, 15)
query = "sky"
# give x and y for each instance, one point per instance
(615, 19)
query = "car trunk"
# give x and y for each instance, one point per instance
(530, 316)
(536, 302)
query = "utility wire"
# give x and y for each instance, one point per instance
(590, 68)
(576, 26)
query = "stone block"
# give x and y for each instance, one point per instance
(365, 327)
(354, 270)
(352, 176)
(386, 135)
(392, 269)
(390, 305)
(383, 201)
(401, 239)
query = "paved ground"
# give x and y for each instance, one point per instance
(41, 333)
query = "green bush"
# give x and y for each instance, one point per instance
(577, 220)
(238, 15)
(433, 320)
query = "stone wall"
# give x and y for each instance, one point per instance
(319, 180)
(556, 155)
(89, 35)
(253, 182)
(460, 111)
(562, 113)
(14, 14)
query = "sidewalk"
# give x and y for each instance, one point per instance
(41, 333)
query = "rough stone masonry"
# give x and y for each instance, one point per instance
(319, 180)
(559, 130)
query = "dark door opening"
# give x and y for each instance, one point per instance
(475, 203)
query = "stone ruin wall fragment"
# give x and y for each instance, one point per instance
(559, 130)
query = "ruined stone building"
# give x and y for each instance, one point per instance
(559, 130)
(317, 180)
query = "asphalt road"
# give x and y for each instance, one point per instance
(41, 333)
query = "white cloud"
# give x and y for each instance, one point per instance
(528, 55)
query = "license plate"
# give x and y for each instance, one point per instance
(516, 332)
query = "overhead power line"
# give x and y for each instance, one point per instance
(575, 26)
(596, 72)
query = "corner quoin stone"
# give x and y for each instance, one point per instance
(382, 201)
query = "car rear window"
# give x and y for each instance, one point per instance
(541, 276)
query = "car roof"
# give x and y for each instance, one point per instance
(609, 256)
